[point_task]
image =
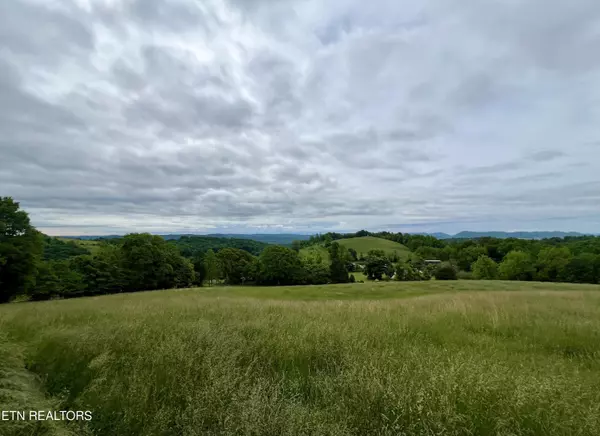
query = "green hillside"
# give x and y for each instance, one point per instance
(366, 243)
(91, 246)
(315, 250)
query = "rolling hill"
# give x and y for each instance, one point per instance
(314, 250)
(362, 245)
(366, 243)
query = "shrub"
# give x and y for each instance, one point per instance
(445, 272)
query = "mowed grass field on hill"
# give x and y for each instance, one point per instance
(451, 358)
(363, 244)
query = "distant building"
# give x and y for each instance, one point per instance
(432, 262)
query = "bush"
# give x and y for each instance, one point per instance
(406, 273)
(445, 272)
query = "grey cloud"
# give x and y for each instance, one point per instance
(546, 155)
(172, 15)
(40, 33)
(194, 115)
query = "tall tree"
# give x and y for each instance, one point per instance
(20, 250)
(517, 265)
(337, 269)
(484, 268)
(235, 265)
(377, 265)
(280, 266)
(583, 268)
(552, 262)
(149, 262)
(211, 266)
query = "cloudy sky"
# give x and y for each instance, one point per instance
(298, 116)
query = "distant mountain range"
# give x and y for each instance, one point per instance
(503, 235)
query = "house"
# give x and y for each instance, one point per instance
(432, 262)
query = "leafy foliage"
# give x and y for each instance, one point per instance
(20, 250)
(55, 249)
(237, 266)
(517, 265)
(339, 255)
(484, 268)
(377, 265)
(191, 246)
(280, 266)
(211, 266)
(445, 272)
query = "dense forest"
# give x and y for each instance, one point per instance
(37, 267)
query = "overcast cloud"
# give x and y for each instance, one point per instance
(263, 116)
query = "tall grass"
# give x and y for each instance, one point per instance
(209, 362)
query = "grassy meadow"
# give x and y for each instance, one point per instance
(90, 245)
(363, 244)
(421, 358)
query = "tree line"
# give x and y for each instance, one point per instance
(573, 259)
(38, 267)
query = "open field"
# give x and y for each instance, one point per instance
(366, 243)
(460, 358)
(90, 245)
(359, 276)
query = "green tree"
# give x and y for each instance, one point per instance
(377, 265)
(416, 261)
(235, 265)
(280, 266)
(445, 271)
(149, 262)
(468, 255)
(211, 266)
(184, 272)
(20, 250)
(56, 279)
(583, 268)
(337, 269)
(484, 268)
(517, 265)
(552, 262)
(107, 274)
(55, 249)
(199, 269)
(47, 283)
(317, 272)
(405, 272)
